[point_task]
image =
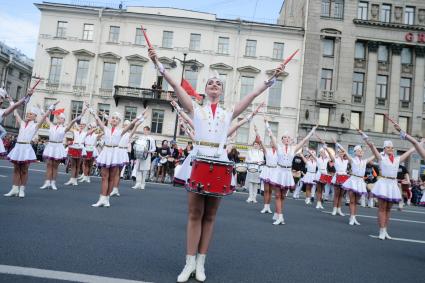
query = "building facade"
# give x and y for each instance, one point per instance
(99, 55)
(363, 60)
(15, 76)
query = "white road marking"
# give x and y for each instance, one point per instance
(401, 239)
(392, 219)
(61, 275)
(3, 176)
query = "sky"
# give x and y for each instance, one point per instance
(19, 19)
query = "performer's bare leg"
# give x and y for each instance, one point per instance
(105, 181)
(16, 175)
(278, 195)
(382, 213)
(196, 207)
(210, 211)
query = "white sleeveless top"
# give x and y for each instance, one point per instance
(27, 131)
(125, 139)
(79, 137)
(90, 140)
(341, 166)
(285, 155)
(311, 166)
(255, 155)
(358, 166)
(388, 168)
(56, 133)
(322, 165)
(112, 139)
(271, 158)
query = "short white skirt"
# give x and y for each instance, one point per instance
(123, 156)
(22, 153)
(356, 185)
(387, 189)
(109, 157)
(285, 179)
(270, 175)
(54, 151)
(309, 178)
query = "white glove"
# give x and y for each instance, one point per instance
(52, 107)
(140, 117)
(270, 82)
(161, 68)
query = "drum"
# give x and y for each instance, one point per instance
(141, 149)
(253, 167)
(75, 151)
(163, 160)
(211, 177)
(296, 174)
(241, 167)
(89, 154)
(170, 159)
(340, 179)
(325, 179)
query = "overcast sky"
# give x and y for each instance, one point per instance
(19, 19)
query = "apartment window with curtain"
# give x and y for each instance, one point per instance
(405, 89)
(381, 87)
(76, 108)
(242, 135)
(355, 120)
(326, 79)
(139, 39)
(223, 45)
(323, 116)
(167, 39)
(362, 10)
(379, 123)
(250, 48)
(55, 70)
(223, 78)
(360, 50)
(278, 50)
(114, 34)
(339, 9)
(385, 15)
(406, 56)
(383, 53)
(275, 93)
(358, 84)
(326, 8)
(191, 77)
(88, 30)
(274, 127)
(404, 123)
(247, 85)
(61, 29)
(409, 15)
(18, 91)
(130, 112)
(135, 77)
(108, 75)
(82, 73)
(328, 47)
(195, 42)
(157, 121)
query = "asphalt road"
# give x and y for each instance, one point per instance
(142, 237)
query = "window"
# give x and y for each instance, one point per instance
(358, 84)
(135, 78)
(324, 116)
(339, 9)
(21, 76)
(326, 80)
(278, 50)
(379, 123)
(76, 108)
(88, 32)
(275, 92)
(18, 91)
(362, 10)
(47, 103)
(139, 38)
(328, 47)
(167, 39)
(82, 73)
(55, 70)
(8, 85)
(157, 121)
(360, 50)
(223, 78)
(385, 15)
(61, 29)
(406, 56)
(242, 133)
(103, 108)
(191, 77)
(195, 42)
(250, 48)
(326, 8)
(355, 120)
(114, 34)
(223, 45)
(273, 126)
(381, 87)
(404, 123)
(130, 113)
(247, 84)
(108, 75)
(383, 53)
(405, 86)
(409, 15)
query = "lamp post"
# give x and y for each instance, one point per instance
(194, 67)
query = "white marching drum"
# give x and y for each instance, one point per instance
(253, 167)
(141, 149)
(241, 167)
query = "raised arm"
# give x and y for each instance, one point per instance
(99, 121)
(140, 118)
(12, 105)
(304, 140)
(182, 95)
(246, 119)
(417, 145)
(259, 140)
(302, 157)
(45, 115)
(350, 159)
(270, 133)
(182, 114)
(133, 131)
(370, 145)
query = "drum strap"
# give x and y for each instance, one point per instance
(210, 144)
(270, 166)
(55, 142)
(23, 142)
(391, 178)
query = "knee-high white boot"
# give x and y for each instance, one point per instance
(188, 269)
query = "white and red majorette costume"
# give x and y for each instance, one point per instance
(322, 168)
(90, 150)
(340, 170)
(2, 149)
(254, 156)
(211, 124)
(79, 137)
(285, 156)
(269, 172)
(356, 183)
(310, 176)
(386, 187)
(23, 152)
(109, 156)
(55, 150)
(123, 148)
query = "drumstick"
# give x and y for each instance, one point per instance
(146, 37)
(35, 85)
(389, 119)
(285, 62)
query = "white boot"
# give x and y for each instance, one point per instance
(319, 205)
(381, 234)
(53, 185)
(137, 186)
(22, 191)
(200, 268)
(100, 202)
(14, 192)
(363, 201)
(115, 192)
(351, 222)
(254, 193)
(188, 269)
(307, 200)
(370, 204)
(268, 209)
(142, 186)
(46, 185)
(279, 220)
(334, 211)
(340, 212)
(107, 204)
(264, 210)
(401, 205)
(386, 234)
(88, 179)
(70, 182)
(75, 182)
(275, 216)
(82, 178)
(355, 221)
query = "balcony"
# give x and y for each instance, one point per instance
(407, 68)
(357, 99)
(326, 97)
(79, 89)
(143, 94)
(105, 93)
(360, 63)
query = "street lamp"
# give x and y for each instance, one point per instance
(193, 67)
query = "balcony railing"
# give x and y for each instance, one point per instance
(105, 92)
(147, 93)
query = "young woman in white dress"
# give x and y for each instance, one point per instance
(255, 158)
(309, 179)
(90, 152)
(55, 152)
(211, 124)
(322, 170)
